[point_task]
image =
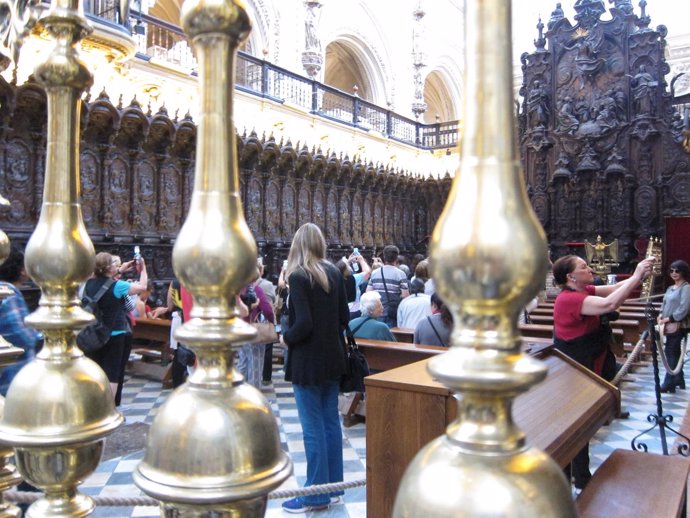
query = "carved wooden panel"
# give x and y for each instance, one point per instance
(599, 135)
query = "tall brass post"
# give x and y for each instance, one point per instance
(214, 446)
(59, 407)
(489, 257)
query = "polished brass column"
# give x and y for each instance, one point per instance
(214, 447)
(59, 407)
(489, 256)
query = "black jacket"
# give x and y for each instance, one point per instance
(317, 319)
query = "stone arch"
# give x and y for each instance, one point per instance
(442, 92)
(351, 61)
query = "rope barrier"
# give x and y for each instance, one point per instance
(662, 353)
(26, 497)
(630, 359)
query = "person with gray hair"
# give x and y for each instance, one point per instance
(367, 326)
(414, 308)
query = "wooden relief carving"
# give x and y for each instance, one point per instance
(319, 208)
(346, 235)
(598, 128)
(90, 188)
(273, 225)
(331, 226)
(357, 224)
(304, 206)
(144, 202)
(253, 205)
(169, 210)
(289, 211)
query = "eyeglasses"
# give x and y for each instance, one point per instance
(673, 270)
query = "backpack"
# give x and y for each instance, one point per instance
(94, 336)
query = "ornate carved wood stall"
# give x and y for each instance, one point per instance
(137, 171)
(600, 138)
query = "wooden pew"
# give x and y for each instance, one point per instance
(158, 331)
(632, 329)
(403, 334)
(626, 315)
(408, 403)
(382, 355)
(632, 483)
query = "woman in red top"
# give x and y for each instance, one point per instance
(578, 329)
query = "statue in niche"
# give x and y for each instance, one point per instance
(643, 86)
(538, 105)
(118, 177)
(88, 175)
(567, 122)
(311, 38)
(601, 256)
(588, 159)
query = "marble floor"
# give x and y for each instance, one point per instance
(142, 397)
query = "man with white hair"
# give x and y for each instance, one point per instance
(367, 326)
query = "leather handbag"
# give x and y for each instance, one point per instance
(265, 333)
(357, 366)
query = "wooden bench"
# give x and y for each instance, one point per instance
(403, 334)
(156, 352)
(632, 483)
(632, 329)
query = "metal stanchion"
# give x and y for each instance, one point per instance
(214, 447)
(488, 253)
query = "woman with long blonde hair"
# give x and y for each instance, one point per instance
(318, 314)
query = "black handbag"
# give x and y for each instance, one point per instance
(357, 366)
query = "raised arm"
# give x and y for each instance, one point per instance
(609, 298)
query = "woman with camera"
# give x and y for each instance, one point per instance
(113, 356)
(318, 314)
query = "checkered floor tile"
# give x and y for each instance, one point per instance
(142, 398)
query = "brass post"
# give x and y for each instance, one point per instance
(59, 407)
(489, 258)
(214, 447)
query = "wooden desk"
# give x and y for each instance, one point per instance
(403, 334)
(406, 409)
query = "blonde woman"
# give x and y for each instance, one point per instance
(318, 314)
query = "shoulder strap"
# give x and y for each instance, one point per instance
(385, 288)
(101, 291)
(436, 332)
(354, 331)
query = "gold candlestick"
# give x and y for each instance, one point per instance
(59, 407)
(227, 454)
(488, 254)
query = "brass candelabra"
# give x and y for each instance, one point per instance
(214, 447)
(59, 407)
(489, 254)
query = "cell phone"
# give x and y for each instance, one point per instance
(260, 261)
(355, 251)
(137, 253)
(285, 264)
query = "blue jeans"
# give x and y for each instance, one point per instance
(317, 407)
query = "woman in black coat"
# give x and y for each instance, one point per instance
(318, 314)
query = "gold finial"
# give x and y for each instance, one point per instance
(231, 434)
(488, 257)
(59, 407)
